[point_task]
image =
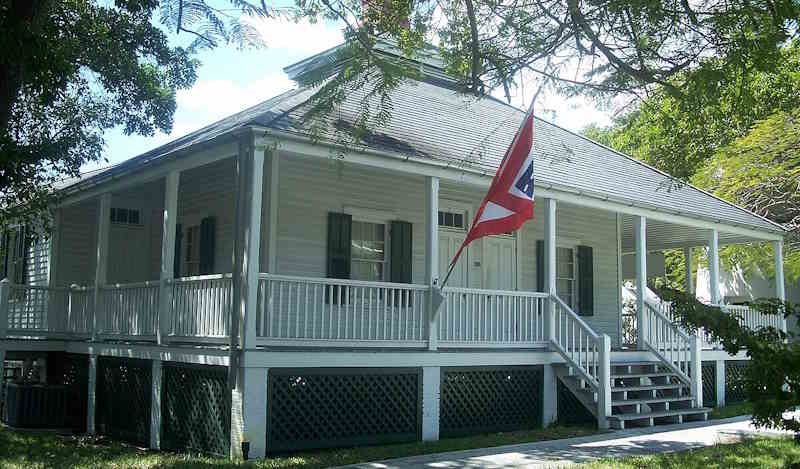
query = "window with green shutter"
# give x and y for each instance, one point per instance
(585, 281)
(402, 258)
(208, 232)
(339, 245)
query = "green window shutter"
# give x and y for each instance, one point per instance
(339, 239)
(176, 262)
(401, 255)
(207, 241)
(540, 265)
(585, 281)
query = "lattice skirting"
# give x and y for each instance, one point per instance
(195, 408)
(570, 410)
(709, 370)
(71, 370)
(489, 399)
(734, 381)
(123, 398)
(326, 407)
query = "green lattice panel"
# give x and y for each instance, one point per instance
(734, 381)
(123, 399)
(324, 407)
(195, 409)
(571, 411)
(71, 370)
(709, 384)
(489, 399)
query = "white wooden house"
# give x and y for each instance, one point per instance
(305, 268)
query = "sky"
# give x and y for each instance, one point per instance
(230, 80)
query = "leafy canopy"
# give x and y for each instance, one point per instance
(69, 70)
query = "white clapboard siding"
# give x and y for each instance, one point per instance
(77, 234)
(310, 188)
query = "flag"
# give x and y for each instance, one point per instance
(509, 201)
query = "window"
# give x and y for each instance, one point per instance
(565, 275)
(125, 216)
(191, 259)
(368, 256)
(451, 220)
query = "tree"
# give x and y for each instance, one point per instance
(71, 69)
(679, 135)
(761, 172)
(772, 377)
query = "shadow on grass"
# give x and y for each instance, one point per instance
(23, 450)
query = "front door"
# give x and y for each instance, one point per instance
(449, 242)
(499, 263)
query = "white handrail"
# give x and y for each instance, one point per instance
(585, 351)
(669, 342)
(341, 281)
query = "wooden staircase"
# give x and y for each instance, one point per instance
(643, 393)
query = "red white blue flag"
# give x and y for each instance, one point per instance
(509, 202)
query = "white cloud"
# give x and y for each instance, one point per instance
(212, 100)
(301, 37)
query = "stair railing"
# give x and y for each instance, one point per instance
(675, 348)
(588, 353)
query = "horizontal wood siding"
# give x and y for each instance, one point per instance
(76, 244)
(209, 191)
(310, 188)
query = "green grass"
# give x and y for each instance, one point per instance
(732, 410)
(24, 450)
(762, 453)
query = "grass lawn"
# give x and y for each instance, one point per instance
(762, 453)
(39, 450)
(732, 410)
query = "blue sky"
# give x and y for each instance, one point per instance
(230, 80)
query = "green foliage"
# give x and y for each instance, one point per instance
(761, 172)
(721, 104)
(69, 70)
(772, 379)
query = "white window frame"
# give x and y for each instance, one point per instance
(376, 216)
(571, 244)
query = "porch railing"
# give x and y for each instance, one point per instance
(585, 351)
(197, 307)
(752, 318)
(336, 312)
(480, 318)
(668, 340)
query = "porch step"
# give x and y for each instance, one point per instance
(644, 375)
(620, 421)
(649, 387)
(658, 400)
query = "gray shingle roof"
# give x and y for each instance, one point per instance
(433, 121)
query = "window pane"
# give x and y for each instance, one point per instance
(113, 215)
(458, 220)
(441, 218)
(368, 240)
(365, 270)
(133, 217)
(448, 219)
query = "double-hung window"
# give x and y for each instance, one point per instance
(565, 276)
(368, 251)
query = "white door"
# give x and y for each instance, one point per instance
(449, 242)
(499, 263)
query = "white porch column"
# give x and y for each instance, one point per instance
(254, 412)
(550, 264)
(604, 378)
(91, 402)
(272, 213)
(780, 286)
(55, 235)
(169, 225)
(431, 389)
(252, 249)
(5, 291)
(549, 396)
(155, 404)
(713, 267)
(101, 262)
(719, 366)
(432, 254)
(696, 349)
(687, 263)
(640, 233)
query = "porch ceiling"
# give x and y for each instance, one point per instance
(663, 235)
